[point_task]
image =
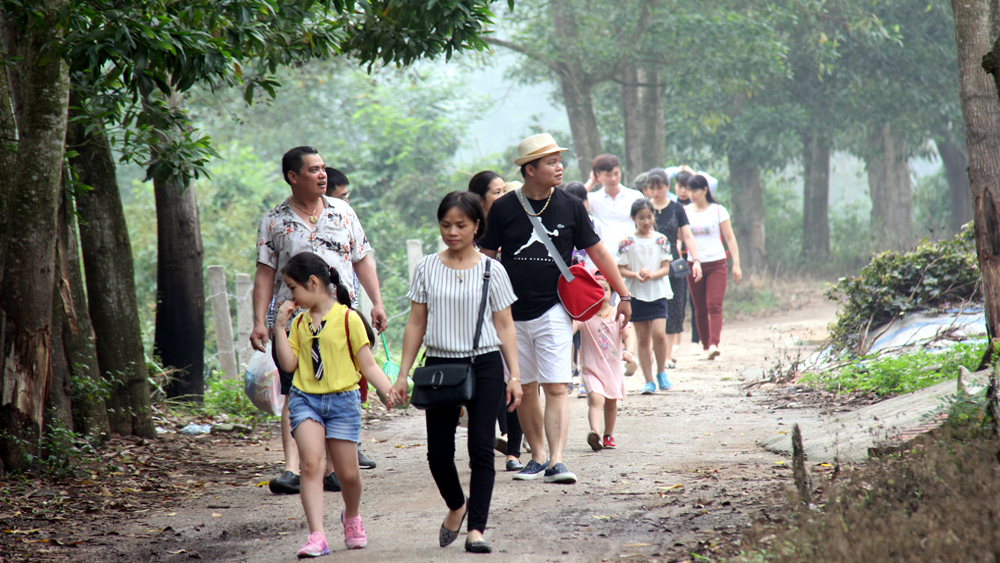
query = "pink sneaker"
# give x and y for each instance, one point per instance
(354, 532)
(315, 546)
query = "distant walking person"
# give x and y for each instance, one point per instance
(644, 261)
(445, 298)
(672, 221)
(308, 221)
(489, 186)
(611, 204)
(544, 328)
(710, 224)
(602, 368)
(328, 346)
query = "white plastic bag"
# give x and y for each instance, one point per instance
(262, 383)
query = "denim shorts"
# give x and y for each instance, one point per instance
(339, 413)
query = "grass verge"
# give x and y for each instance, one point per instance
(891, 375)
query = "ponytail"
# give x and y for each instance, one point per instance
(341, 292)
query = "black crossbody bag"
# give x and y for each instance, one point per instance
(450, 385)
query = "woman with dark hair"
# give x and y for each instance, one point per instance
(489, 186)
(444, 313)
(672, 221)
(710, 223)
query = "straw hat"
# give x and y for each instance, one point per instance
(535, 147)
(513, 185)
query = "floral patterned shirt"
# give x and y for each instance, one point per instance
(337, 237)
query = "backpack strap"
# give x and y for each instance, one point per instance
(363, 383)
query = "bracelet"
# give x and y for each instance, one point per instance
(514, 379)
(625, 297)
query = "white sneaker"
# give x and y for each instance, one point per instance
(713, 352)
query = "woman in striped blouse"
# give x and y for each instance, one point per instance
(444, 306)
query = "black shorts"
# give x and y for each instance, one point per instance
(649, 310)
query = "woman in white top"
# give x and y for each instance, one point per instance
(710, 224)
(444, 308)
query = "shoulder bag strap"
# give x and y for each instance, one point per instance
(482, 304)
(347, 330)
(536, 223)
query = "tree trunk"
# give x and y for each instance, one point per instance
(976, 28)
(956, 165)
(633, 119)
(107, 259)
(816, 197)
(642, 112)
(39, 95)
(90, 412)
(748, 223)
(59, 406)
(890, 189)
(179, 341)
(180, 289)
(575, 86)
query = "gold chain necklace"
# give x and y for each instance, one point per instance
(547, 200)
(313, 218)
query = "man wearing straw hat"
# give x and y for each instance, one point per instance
(544, 328)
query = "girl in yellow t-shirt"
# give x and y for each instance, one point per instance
(327, 347)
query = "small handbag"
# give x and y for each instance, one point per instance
(578, 289)
(450, 385)
(679, 269)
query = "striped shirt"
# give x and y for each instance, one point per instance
(452, 298)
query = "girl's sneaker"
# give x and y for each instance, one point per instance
(609, 442)
(315, 546)
(662, 381)
(354, 532)
(649, 388)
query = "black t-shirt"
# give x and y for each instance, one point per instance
(669, 220)
(532, 272)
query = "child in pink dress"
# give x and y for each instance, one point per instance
(602, 367)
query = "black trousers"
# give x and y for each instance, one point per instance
(511, 426)
(441, 424)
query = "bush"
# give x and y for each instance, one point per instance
(936, 275)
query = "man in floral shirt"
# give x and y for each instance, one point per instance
(308, 221)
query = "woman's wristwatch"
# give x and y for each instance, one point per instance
(625, 297)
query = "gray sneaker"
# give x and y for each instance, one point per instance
(559, 474)
(531, 471)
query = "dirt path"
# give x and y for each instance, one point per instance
(686, 475)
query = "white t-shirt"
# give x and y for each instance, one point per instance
(705, 226)
(611, 215)
(636, 253)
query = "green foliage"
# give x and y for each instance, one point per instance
(748, 299)
(227, 397)
(897, 374)
(393, 132)
(934, 276)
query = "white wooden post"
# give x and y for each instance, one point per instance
(223, 320)
(441, 244)
(414, 252)
(244, 319)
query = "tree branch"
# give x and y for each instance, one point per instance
(530, 53)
